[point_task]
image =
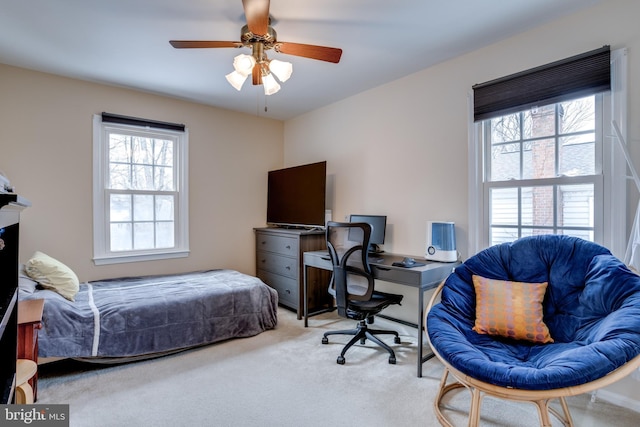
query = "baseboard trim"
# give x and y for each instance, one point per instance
(618, 400)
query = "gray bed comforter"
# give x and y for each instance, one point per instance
(146, 315)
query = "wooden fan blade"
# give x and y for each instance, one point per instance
(196, 44)
(256, 74)
(322, 53)
(257, 14)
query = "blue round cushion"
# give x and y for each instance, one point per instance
(591, 306)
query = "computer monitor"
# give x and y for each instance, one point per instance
(378, 228)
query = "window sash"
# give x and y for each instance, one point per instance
(556, 138)
(557, 223)
(130, 165)
(554, 181)
(134, 219)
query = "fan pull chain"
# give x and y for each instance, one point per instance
(266, 108)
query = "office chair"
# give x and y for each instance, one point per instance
(352, 285)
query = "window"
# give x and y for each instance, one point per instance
(140, 190)
(543, 171)
(550, 167)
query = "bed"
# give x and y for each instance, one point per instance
(145, 316)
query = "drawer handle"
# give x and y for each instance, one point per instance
(288, 267)
(288, 291)
(288, 247)
(263, 261)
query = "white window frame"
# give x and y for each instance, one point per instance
(102, 253)
(612, 233)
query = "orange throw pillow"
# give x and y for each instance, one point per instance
(510, 309)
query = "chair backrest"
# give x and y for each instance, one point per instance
(352, 278)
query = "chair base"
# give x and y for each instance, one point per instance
(542, 404)
(362, 333)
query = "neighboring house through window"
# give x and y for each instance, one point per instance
(550, 167)
(140, 190)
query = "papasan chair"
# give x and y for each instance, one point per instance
(537, 319)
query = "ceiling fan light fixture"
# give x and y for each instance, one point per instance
(281, 69)
(236, 79)
(258, 35)
(243, 64)
(270, 84)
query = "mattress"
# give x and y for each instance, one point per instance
(137, 316)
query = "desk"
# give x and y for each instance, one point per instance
(29, 321)
(423, 278)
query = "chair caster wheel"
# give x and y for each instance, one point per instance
(325, 340)
(392, 361)
(363, 341)
(397, 340)
(340, 360)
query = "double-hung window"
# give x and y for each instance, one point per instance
(542, 159)
(543, 171)
(140, 190)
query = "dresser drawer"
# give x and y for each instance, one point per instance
(278, 264)
(279, 244)
(287, 287)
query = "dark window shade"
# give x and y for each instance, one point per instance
(125, 120)
(580, 75)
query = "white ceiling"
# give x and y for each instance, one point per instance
(126, 43)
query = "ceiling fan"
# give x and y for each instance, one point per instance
(258, 35)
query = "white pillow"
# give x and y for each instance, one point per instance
(52, 274)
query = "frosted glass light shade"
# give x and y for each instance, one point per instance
(236, 79)
(243, 64)
(281, 69)
(270, 84)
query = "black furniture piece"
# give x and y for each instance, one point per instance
(352, 285)
(11, 205)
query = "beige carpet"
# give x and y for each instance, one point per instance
(283, 377)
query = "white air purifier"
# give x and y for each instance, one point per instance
(441, 242)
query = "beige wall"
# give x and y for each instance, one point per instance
(401, 148)
(46, 151)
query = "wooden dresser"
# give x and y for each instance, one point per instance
(279, 264)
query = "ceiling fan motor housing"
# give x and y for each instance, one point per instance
(268, 40)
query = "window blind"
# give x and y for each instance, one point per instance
(125, 120)
(573, 77)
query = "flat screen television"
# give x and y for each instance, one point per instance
(296, 196)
